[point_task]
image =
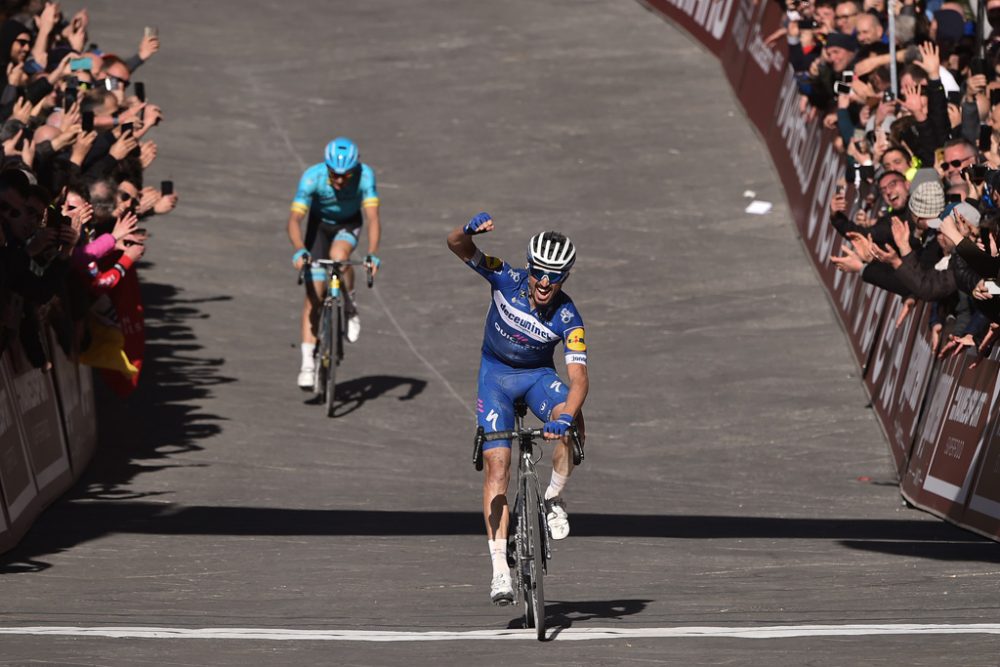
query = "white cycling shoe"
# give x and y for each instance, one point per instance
(353, 327)
(501, 590)
(307, 379)
(557, 518)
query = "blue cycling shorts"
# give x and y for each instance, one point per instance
(500, 385)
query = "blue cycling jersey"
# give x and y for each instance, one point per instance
(334, 206)
(519, 335)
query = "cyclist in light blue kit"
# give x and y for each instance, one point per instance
(529, 315)
(333, 193)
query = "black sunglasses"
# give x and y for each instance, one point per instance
(954, 164)
(23, 42)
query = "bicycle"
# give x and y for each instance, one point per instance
(528, 514)
(332, 323)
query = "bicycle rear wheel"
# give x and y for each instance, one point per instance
(534, 593)
(334, 349)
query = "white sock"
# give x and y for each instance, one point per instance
(308, 349)
(498, 556)
(556, 484)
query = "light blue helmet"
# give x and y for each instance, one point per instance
(342, 155)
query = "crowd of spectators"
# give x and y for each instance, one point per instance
(919, 204)
(74, 144)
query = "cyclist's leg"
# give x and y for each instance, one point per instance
(318, 242)
(343, 244)
(546, 398)
(495, 412)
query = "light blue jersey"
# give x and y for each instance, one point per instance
(333, 206)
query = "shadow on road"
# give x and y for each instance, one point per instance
(74, 522)
(352, 394)
(142, 432)
(562, 615)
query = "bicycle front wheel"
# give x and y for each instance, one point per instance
(534, 595)
(335, 347)
(324, 355)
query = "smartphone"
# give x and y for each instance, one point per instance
(952, 198)
(841, 189)
(69, 97)
(842, 88)
(126, 127)
(87, 121)
(994, 96)
(887, 96)
(77, 64)
(167, 187)
(150, 31)
(976, 172)
(955, 97)
(985, 137)
(977, 66)
(992, 287)
(140, 90)
(808, 24)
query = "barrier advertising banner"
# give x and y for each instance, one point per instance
(897, 375)
(947, 474)
(76, 410)
(17, 482)
(41, 426)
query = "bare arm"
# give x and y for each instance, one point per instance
(579, 386)
(295, 219)
(374, 228)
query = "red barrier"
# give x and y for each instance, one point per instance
(940, 418)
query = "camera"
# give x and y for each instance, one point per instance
(976, 172)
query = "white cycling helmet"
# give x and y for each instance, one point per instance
(551, 251)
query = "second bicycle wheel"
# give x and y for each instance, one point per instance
(534, 597)
(336, 333)
(323, 357)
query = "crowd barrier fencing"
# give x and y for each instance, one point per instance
(48, 434)
(941, 417)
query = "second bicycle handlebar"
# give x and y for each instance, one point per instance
(338, 264)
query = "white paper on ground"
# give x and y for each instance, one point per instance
(757, 207)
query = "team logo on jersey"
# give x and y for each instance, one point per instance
(492, 263)
(565, 315)
(575, 341)
(514, 275)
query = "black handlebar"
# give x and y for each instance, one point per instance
(483, 437)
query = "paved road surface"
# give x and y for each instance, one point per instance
(728, 430)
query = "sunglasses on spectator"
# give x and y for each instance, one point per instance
(124, 196)
(553, 276)
(23, 42)
(113, 82)
(954, 164)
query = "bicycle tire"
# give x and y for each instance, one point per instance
(331, 375)
(534, 590)
(323, 354)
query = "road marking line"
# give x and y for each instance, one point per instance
(568, 634)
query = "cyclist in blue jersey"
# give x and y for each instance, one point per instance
(338, 195)
(528, 317)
